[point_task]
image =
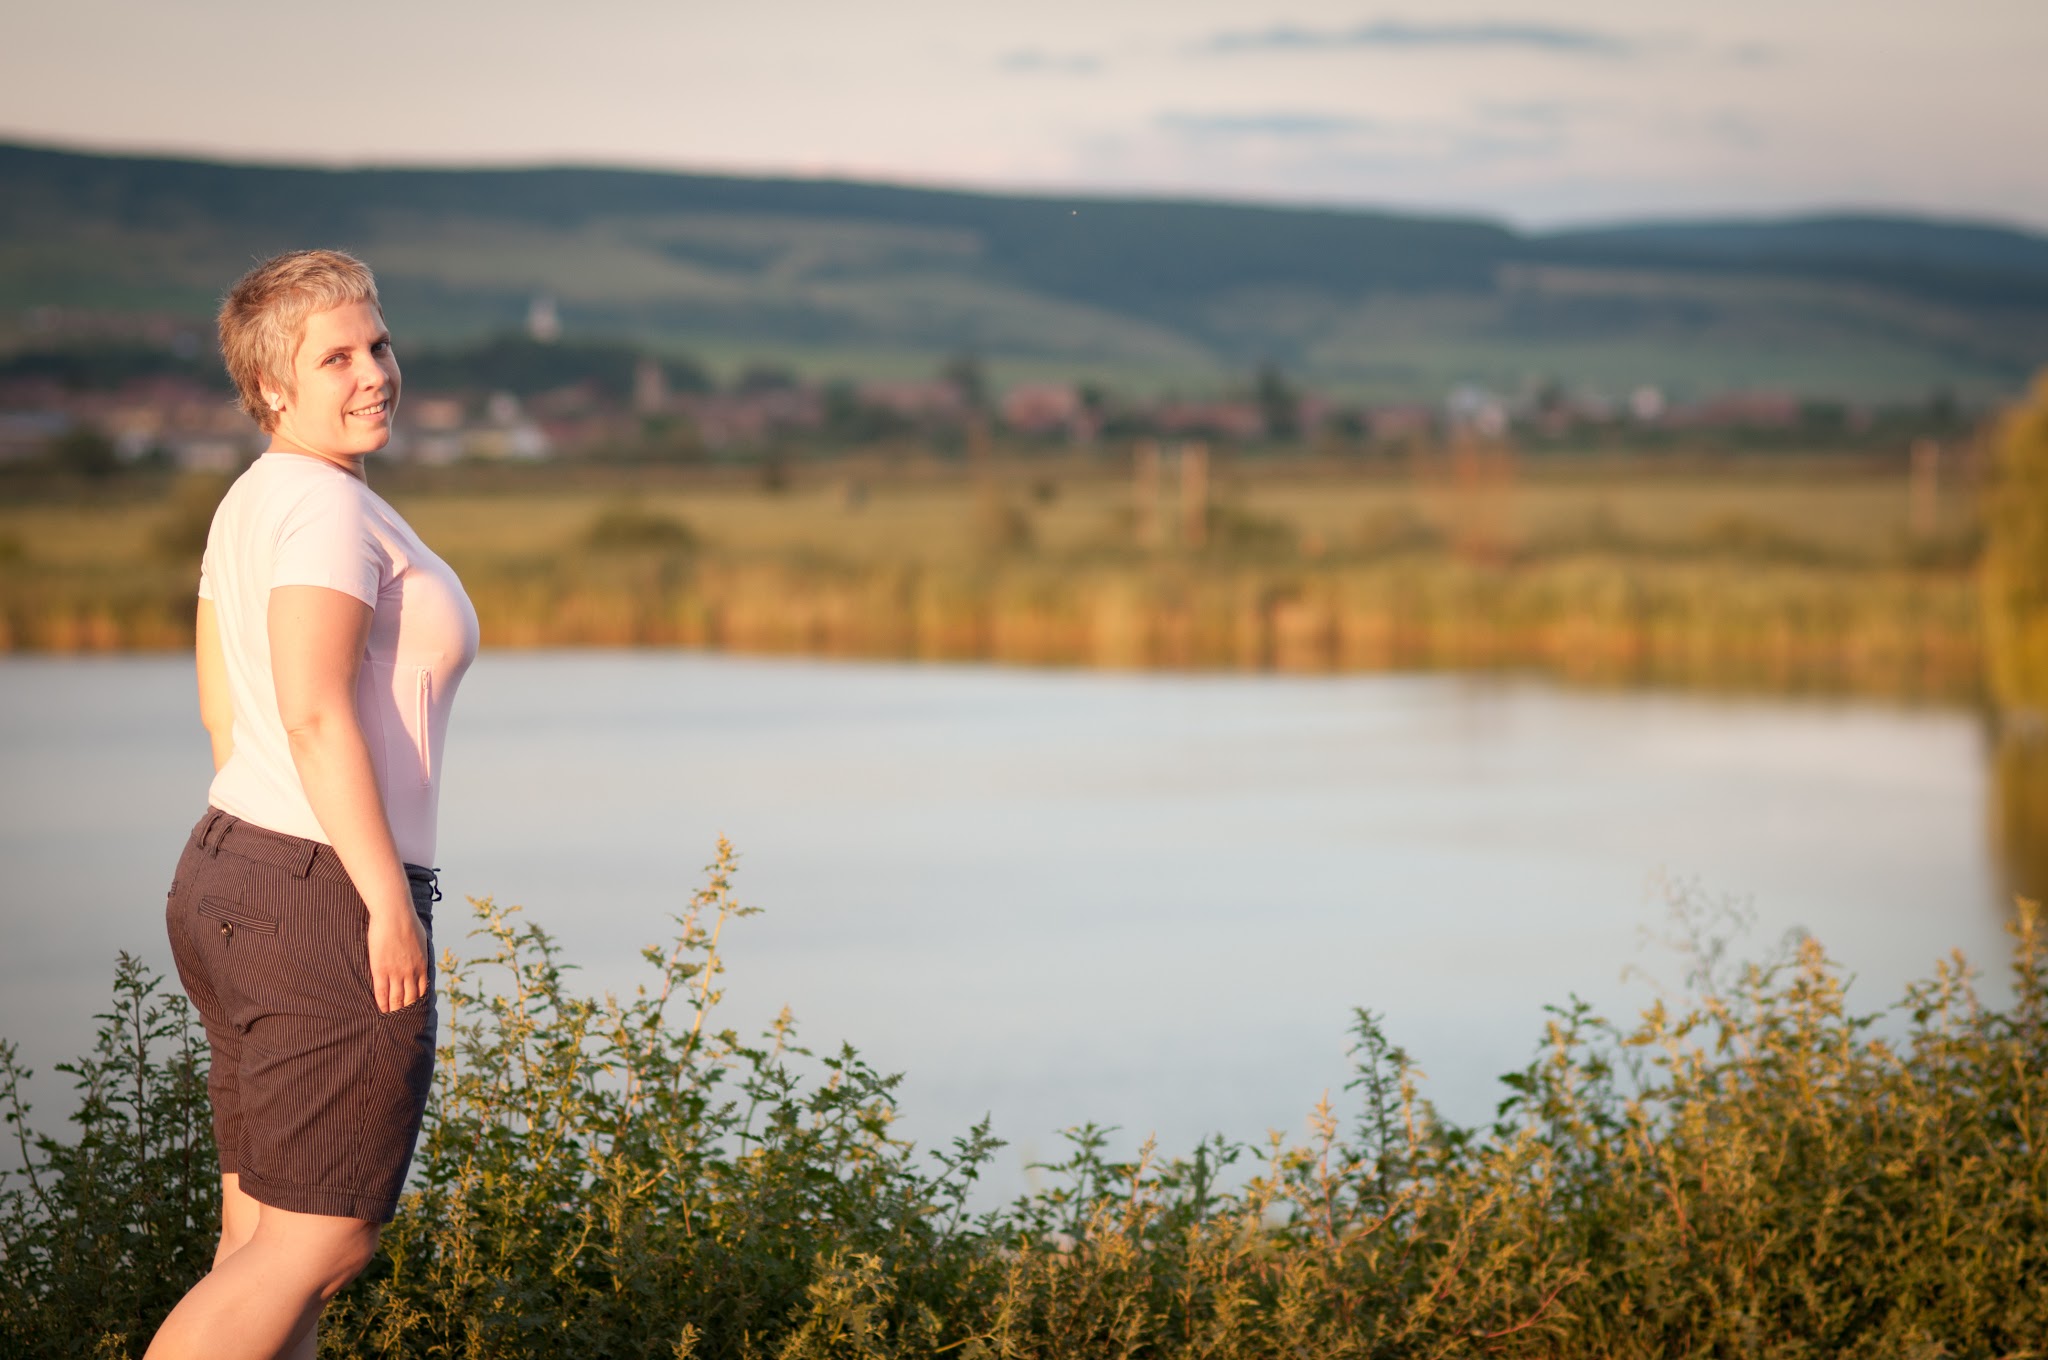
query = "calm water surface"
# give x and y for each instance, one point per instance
(1145, 900)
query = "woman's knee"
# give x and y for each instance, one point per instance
(239, 1216)
(353, 1253)
(323, 1252)
(229, 1244)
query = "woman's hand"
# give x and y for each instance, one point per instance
(398, 959)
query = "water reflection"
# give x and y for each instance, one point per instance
(1144, 900)
(2019, 809)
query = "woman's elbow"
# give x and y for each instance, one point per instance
(312, 728)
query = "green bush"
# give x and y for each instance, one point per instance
(1756, 1172)
(100, 1236)
(627, 526)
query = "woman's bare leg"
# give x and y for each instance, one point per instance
(263, 1298)
(238, 1217)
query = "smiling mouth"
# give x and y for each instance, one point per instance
(374, 409)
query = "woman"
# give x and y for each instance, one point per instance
(330, 644)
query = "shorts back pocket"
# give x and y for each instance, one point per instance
(235, 914)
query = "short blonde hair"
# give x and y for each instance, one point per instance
(263, 318)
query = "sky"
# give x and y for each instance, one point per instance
(1542, 112)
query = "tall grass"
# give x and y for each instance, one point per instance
(1756, 1170)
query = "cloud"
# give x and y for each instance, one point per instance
(1272, 123)
(1736, 128)
(1328, 145)
(1545, 112)
(1403, 34)
(1033, 61)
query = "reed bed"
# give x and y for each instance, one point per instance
(1890, 631)
(1754, 1169)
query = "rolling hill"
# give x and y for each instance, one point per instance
(870, 278)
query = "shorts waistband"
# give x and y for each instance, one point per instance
(296, 855)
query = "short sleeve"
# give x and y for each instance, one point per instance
(327, 539)
(205, 586)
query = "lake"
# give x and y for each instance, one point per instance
(1145, 900)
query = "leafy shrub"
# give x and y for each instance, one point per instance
(84, 451)
(99, 1237)
(1758, 1172)
(1234, 529)
(627, 527)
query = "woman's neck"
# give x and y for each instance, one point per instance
(351, 464)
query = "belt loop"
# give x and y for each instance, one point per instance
(303, 867)
(215, 830)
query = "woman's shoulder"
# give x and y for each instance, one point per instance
(278, 482)
(281, 497)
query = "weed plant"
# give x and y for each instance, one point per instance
(1753, 1171)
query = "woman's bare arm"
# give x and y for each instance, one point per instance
(317, 636)
(216, 707)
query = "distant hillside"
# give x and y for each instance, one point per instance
(866, 278)
(1945, 261)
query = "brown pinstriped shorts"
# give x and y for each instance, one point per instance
(317, 1095)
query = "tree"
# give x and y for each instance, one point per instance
(84, 451)
(1279, 403)
(2015, 579)
(964, 371)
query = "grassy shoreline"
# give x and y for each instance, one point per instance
(1796, 578)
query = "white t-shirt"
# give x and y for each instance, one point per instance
(295, 520)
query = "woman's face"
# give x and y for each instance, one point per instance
(347, 386)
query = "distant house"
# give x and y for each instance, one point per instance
(1739, 411)
(932, 401)
(1400, 420)
(1043, 409)
(26, 434)
(1474, 409)
(1220, 419)
(650, 388)
(543, 322)
(735, 419)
